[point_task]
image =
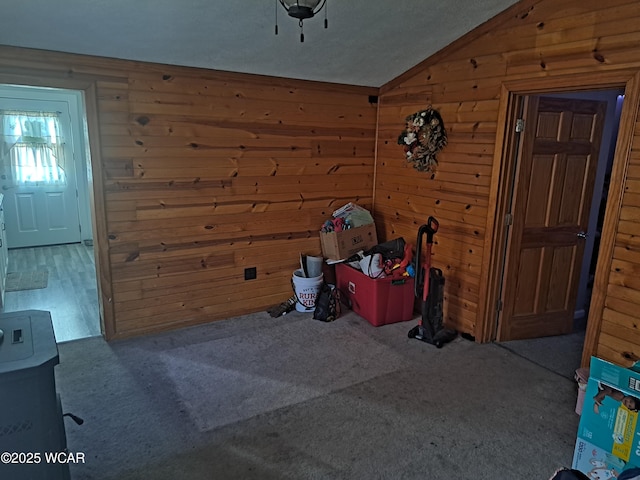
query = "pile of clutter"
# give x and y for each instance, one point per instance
(389, 259)
(348, 237)
(345, 239)
(346, 217)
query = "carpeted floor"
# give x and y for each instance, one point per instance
(561, 354)
(287, 368)
(292, 398)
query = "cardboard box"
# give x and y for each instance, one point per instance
(379, 300)
(609, 422)
(596, 462)
(341, 245)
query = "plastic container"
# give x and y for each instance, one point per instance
(380, 301)
(306, 290)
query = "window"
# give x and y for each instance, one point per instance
(32, 148)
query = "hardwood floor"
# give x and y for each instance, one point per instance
(71, 294)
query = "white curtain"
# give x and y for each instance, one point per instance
(31, 148)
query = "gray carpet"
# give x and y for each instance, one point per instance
(288, 366)
(292, 398)
(561, 354)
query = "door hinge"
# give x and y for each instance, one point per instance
(520, 125)
(499, 305)
(508, 219)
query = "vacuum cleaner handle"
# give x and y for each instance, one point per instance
(432, 227)
(418, 267)
(422, 270)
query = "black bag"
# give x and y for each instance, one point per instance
(631, 474)
(389, 250)
(569, 474)
(327, 304)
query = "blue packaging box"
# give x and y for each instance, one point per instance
(609, 419)
(596, 462)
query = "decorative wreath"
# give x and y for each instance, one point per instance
(423, 137)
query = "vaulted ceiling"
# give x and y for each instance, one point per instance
(368, 42)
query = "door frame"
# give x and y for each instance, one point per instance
(500, 191)
(86, 85)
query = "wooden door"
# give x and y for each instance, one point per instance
(553, 189)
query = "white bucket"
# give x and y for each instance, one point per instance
(306, 290)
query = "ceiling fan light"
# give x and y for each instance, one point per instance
(312, 4)
(301, 9)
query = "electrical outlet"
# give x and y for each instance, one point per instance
(250, 273)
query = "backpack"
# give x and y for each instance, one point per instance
(328, 306)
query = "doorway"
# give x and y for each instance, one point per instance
(557, 204)
(49, 227)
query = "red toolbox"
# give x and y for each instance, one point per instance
(379, 300)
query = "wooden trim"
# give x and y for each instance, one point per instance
(574, 82)
(612, 216)
(499, 195)
(468, 38)
(375, 157)
(43, 79)
(99, 217)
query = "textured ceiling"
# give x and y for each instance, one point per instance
(368, 42)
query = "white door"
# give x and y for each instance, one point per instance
(39, 212)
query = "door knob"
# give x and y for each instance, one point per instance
(582, 234)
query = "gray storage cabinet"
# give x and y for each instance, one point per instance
(30, 411)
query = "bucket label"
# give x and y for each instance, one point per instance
(308, 298)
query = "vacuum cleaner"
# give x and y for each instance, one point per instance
(429, 287)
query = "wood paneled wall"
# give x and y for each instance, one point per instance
(203, 174)
(535, 46)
